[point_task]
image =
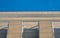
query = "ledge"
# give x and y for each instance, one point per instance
(29, 16)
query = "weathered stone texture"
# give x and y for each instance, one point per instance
(15, 29)
(45, 29)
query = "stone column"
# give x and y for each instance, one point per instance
(15, 29)
(45, 29)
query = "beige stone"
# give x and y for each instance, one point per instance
(30, 24)
(45, 29)
(15, 29)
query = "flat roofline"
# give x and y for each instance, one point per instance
(29, 12)
(4, 16)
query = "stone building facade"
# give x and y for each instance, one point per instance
(29, 24)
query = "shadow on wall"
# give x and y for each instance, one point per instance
(30, 33)
(57, 32)
(3, 33)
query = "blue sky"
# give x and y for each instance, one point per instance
(29, 5)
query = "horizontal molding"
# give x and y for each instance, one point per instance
(29, 16)
(30, 12)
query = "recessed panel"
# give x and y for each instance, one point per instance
(3, 29)
(30, 30)
(56, 29)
